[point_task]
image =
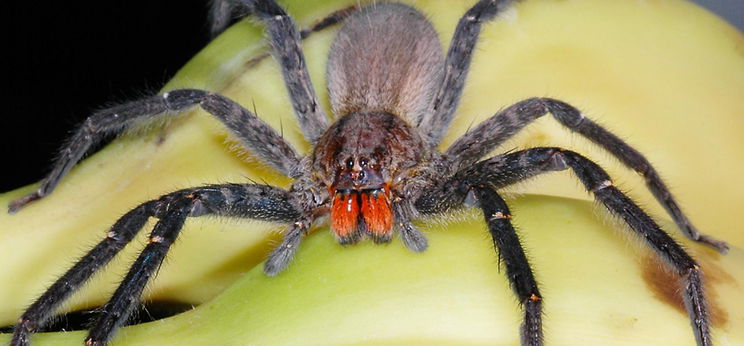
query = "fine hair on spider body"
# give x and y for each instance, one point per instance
(374, 168)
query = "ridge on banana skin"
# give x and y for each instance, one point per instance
(669, 80)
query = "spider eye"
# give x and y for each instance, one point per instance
(349, 163)
(363, 162)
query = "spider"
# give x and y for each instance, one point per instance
(375, 169)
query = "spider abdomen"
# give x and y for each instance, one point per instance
(387, 57)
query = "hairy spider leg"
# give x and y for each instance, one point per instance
(223, 12)
(282, 255)
(462, 45)
(504, 170)
(118, 118)
(254, 133)
(493, 131)
(261, 202)
(285, 42)
(116, 311)
(510, 252)
(412, 238)
(120, 234)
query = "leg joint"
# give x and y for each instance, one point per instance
(180, 99)
(564, 113)
(602, 185)
(499, 216)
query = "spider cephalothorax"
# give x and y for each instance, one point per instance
(363, 158)
(375, 169)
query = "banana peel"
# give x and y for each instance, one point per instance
(665, 75)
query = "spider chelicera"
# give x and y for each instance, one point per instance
(375, 169)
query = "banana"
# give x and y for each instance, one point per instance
(665, 75)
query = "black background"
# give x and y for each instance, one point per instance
(65, 59)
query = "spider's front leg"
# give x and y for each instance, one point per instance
(435, 123)
(260, 202)
(285, 41)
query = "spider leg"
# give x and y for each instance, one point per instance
(495, 130)
(435, 123)
(126, 296)
(249, 201)
(518, 271)
(285, 41)
(222, 12)
(257, 136)
(507, 169)
(120, 234)
(412, 238)
(282, 255)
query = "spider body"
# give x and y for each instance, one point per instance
(364, 159)
(383, 68)
(375, 169)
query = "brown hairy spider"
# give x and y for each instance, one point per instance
(375, 169)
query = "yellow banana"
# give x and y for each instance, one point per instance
(665, 75)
